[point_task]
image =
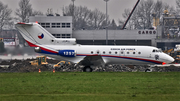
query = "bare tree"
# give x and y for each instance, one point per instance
(125, 16)
(158, 8)
(81, 17)
(36, 13)
(97, 18)
(143, 13)
(24, 11)
(5, 15)
(113, 25)
(85, 18)
(178, 6)
(142, 17)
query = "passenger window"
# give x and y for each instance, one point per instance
(109, 52)
(115, 52)
(121, 52)
(127, 52)
(139, 52)
(97, 52)
(104, 52)
(154, 51)
(91, 52)
(134, 52)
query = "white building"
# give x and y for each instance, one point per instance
(58, 26)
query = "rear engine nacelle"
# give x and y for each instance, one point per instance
(67, 53)
(37, 49)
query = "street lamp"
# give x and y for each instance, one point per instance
(106, 23)
(73, 13)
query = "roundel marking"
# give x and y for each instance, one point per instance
(41, 36)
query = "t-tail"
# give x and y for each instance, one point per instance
(35, 34)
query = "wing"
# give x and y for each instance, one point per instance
(93, 60)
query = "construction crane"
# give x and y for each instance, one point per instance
(130, 14)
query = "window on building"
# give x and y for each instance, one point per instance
(68, 35)
(63, 25)
(60, 25)
(68, 25)
(45, 25)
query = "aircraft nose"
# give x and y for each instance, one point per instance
(170, 59)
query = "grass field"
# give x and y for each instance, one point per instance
(96, 86)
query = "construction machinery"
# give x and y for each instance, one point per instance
(40, 60)
(62, 63)
(175, 53)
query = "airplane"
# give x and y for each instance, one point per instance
(89, 55)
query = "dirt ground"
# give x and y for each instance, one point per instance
(24, 66)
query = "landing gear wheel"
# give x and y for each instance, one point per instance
(87, 69)
(147, 70)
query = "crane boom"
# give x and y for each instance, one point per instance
(130, 14)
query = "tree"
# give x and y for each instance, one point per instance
(84, 18)
(97, 18)
(143, 13)
(24, 11)
(5, 15)
(158, 9)
(113, 25)
(142, 17)
(80, 17)
(36, 13)
(178, 6)
(125, 16)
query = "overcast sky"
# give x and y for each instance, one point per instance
(115, 7)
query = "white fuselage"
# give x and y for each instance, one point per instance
(115, 54)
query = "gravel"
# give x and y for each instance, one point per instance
(24, 66)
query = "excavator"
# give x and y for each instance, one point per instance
(40, 60)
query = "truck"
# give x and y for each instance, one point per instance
(40, 60)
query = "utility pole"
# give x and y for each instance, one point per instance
(106, 22)
(73, 15)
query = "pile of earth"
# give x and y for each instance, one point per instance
(24, 66)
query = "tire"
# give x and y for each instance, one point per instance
(87, 69)
(147, 70)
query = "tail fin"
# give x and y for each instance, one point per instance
(34, 34)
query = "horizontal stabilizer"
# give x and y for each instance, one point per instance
(22, 23)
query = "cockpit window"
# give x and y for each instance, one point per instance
(156, 50)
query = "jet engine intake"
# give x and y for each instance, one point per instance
(37, 49)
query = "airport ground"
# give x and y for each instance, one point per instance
(96, 86)
(21, 81)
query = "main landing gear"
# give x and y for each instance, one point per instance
(87, 69)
